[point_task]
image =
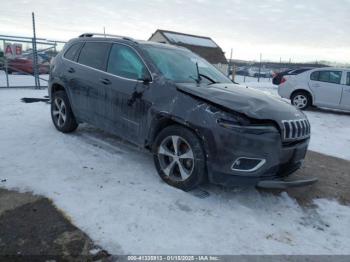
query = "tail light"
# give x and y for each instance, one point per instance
(283, 80)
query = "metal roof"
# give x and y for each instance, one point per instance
(189, 40)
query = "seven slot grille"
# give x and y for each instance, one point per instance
(295, 129)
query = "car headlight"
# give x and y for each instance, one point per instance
(237, 120)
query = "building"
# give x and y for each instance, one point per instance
(201, 45)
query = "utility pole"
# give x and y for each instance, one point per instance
(35, 55)
(104, 31)
(230, 65)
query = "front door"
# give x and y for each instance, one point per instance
(128, 98)
(326, 87)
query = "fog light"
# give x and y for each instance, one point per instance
(245, 164)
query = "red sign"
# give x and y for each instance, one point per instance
(18, 49)
(8, 50)
(13, 50)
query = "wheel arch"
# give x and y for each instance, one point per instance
(299, 90)
(59, 86)
(162, 121)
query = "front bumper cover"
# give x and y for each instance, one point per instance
(281, 160)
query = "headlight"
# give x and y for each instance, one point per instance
(237, 120)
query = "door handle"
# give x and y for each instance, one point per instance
(71, 70)
(105, 81)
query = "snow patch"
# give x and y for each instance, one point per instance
(111, 191)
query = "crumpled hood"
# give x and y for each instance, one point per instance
(250, 102)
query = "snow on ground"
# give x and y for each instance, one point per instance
(112, 191)
(330, 129)
(21, 80)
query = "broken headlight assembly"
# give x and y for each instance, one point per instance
(236, 120)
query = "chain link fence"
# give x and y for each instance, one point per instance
(25, 61)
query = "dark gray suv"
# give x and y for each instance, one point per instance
(197, 123)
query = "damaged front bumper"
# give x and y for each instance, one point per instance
(274, 160)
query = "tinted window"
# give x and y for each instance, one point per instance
(94, 54)
(72, 51)
(327, 76)
(124, 62)
(330, 76)
(348, 79)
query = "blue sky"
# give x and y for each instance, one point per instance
(305, 30)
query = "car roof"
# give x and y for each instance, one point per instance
(125, 40)
(331, 68)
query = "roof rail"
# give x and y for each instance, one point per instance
(106, 35)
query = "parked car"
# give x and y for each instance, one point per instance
(282, 76)
(25, 65)
(325, 87)
(196, 122)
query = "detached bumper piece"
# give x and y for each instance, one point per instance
(287, 182)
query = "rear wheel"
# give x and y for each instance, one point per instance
(301, 100)
(61, 113)
(179, 157)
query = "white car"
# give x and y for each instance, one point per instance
(324, 87)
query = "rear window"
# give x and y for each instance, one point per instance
(333, 77)
(94, 54)
(72, 52)
(299, 71)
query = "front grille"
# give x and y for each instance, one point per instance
(296, 129)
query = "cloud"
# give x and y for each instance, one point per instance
(297, 27)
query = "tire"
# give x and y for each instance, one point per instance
(61, 113)
(301, 100)
(186, 172)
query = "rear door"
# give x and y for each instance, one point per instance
(90, 86)
(326, 87)
(127, 116)
(69, 59)
(345, 100)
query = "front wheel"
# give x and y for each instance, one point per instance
(179, 157)
(61, 113)
(301, 100)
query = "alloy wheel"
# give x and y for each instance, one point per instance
(176, 158)
(300, 101)
(59, 111)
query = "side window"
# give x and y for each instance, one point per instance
(327, 76)
(72, 52)
(124, 62)
(314, 76)
(94, 54)
(330, 76)
(348, 79)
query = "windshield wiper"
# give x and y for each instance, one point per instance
(209, 78)
(200, 75)
(198, 78)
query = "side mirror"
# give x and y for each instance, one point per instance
(146, 78)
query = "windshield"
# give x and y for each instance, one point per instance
(181, 66)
